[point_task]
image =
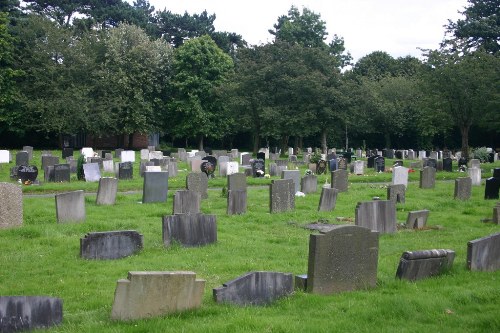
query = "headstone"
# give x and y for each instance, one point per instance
(236, 202)
(359, 167)
(245, 158)
(22, 158)
(62, 173)
(155, 187)
(396, 193)
(232, 167)
(198, 182)
(11, 208)
(106, 192)
(321, 167)
(27, 174)
(309, 184)
(332, 164)
(144, 154)
(475, 175)
(397, 163)
(118, 153)
(377, 215)
(411, 154)
(463, 188)
(390, 153)
(448, 164)
(29, 149)
(342, 259)
(342, 163)
(427, 177)
(186, 202)
(400, 176)
(151, 294)
(328, 199)
(70, 207)
(108, 165)
(379, 164)
(196, 165)
(417, 265)
(492, 188)
(294, 175)
(255, 288)
(483, 254)
(87, 152)
(49, 161)
(125, 170)
(207, 168)
(189, 229)
(155, 155)
(237, 182)
(92, 172)
(110, 244)
(258, 168)
(370, 162)
(339, 180)
(261, 155)
(282, 195)
(26, 313)
(422, 154)
(416, 165)
(417, 219)
(73, 165)
(172, 169)
(106, 154)
(496, 213)
(67, 152)
(127, 156)
(475, 163)
(431, 162)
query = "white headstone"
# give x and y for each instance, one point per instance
(128, 156)
(290, 151)
(195, 165)
(4, 156)
(400, 176)
(87, 152)
(144, 154)
(232, 167)
(422, 154)
(155, 155)
(108, 166)
(359, 167)
(475, 175)
(153, 168)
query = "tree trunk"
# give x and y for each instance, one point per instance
(464, 131)
(256, 143)
(296, 146)
(387, 137)
(301, 143)
(324, 148)
(200, 145)
(131, 141)
(284, 144)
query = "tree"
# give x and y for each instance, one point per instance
(196, 109)
(480, 29)
(176, 28)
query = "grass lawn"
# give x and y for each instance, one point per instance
(42, 258)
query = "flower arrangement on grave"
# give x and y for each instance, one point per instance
(308, 172)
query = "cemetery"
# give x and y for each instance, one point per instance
(199, 246)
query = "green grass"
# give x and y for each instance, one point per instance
(42, 258)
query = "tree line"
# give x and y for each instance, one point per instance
(112, 68)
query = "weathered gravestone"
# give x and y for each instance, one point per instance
(49, 161)
(417, 265)
(106, 191)
(447, 164)
(370, 162)
(110, 244)
(309, 184)
(328, 199)
(189, 229)
(125, 170)
(62, 173)
(118, 153)
(255, 288)
(22, 158)
(377, 215)
(4, 156)
(281, 195)
(172, 168)
(155, 187)
(379, 164)
(87, 152)
(400, 176)
(237, 182)
(150, 294)
(67, 152)
(24, 313)
(431, 162)
(155, 155)
(342, 163)
(342, 259)
(396, 193)
(245, 158)
(475, 175)
(11, 205)
(332, 164)
(474, 163)
(359, 167)
(186, 202)
(97, 160)
(483, 254)
(258, 168)
(417, 219)
(108, 165)
(198, 182)
(463, 188)
(70, 206)
(143, 166)
(236, 202)
(232, 167)
(339, 180)
(127, 156)
(293, 175)
(427, 177)
(92, 172)
(144, 154)
(496, 213)
(29, 149)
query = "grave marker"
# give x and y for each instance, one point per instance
(463, 188)
(155, 187)
(483, 254)
(282, 195)
(24, 313)
(92, 172)
(328, 199)
(377, 215)
(339, 180)
(236, 202)
(11, 208)
(396, 193)
(186, 202)
(294, 175)
(106, 191)
(62, 173)
(417, 219)
(110, 244)
(189, 229)
(198, 182)
(427, 177)
(70, 207)
(417, 265)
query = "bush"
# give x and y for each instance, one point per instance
(79, 168)
(481, 154)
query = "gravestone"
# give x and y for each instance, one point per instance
(417, 219)
(4, 156)
(27, 173)
(379, 164)
(97, 160)
(67, 152)
(29, 149)
(282, 195)
(417, 265)
(255, 288)
(342, 259)
(26, 313)
(125, 170)
(377, 215)
(339, 180)
(416, 165)
(258, 168)
(293, 175)
(397, 163)
(189, 229)
(155, 155)
(492, 188)
(70, 206)
(389, 153)
(155, 187)
(108, 165)
(332, 164)
(73, 165)
(430, 162)
(321, 167)
(87, 152)
(144, 154)
(463, 188)
(106, 154)
(151, 294)
(106, 191)
(245, 158)
(211, 159)
(22, 158)
(370, 162)
(118, 153)
(328, 199)
(427, 177)
(309, 184)
(48, 173)
(475, 163)
(496, 213)
(483, 254)
(261, 155)
(475, 175)
(186, 202)
(448, 164)
(359, 167)
(236, 202)
(237, 182)
(92, 172)
(11, 207)
(110, 244)
(422, 154)
(127, 156)
(49, 161)
(62, 173)
(342, 163)
(172, 169)
(400, 176)
(198, 182)
(232, 167)
(411, 154)
(195, 164)
(207, 168)
(396, 193)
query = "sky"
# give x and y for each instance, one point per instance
(398, 27)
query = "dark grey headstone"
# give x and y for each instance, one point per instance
(155, 187)
(342, 259)
(110, 244)
(24, 313)
(293, 175)
(237, 182)
(328, 199)
(417, 265)
(189, 229)
(186, 202)
(48, 160)
(62, 173)
(427, 177)
(143, 165)
(483, 254)
(29, 149)
(377, 215)
(125, 170)
(198, 182)
(106, 192)
(255, 288)
(339, 180)
(258, 168)
(236, 202)
(70, 206)
(282, 195)
(97, 160)
(309, 184)
(396, 193)
(417, 219)
(273, 169)
(67, 152)
(92, 172)
(463, 188)
(447, 164)
(379, 164)
(492, 188)
(22, 158)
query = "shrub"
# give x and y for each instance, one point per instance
(481, 154)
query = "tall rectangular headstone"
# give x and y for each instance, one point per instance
(463, 188)
(309, 184)
(92, 172)
(125, 170)
(155, 187)
(237, 182)
(400, 176)
(186, 202)
(359, 167)
(236, 202)
(293, 175)
(339, 180)
(198, 182)
(62, 173)
(22, 158)
(11, 207)
(475, 175)
(29, 149)
(427, 177)
(282, 195)
(127, 156)
(70, 206)
(328, 199)
(396, 193)
(106, 191)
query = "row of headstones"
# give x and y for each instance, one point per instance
(341, 259)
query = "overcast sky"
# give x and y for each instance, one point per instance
(397, 27)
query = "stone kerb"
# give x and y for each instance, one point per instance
(23, 313)
(150, 294)
(417, 265)
(110, 244)
(11, 209)
(255, 288)
(189, 230)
